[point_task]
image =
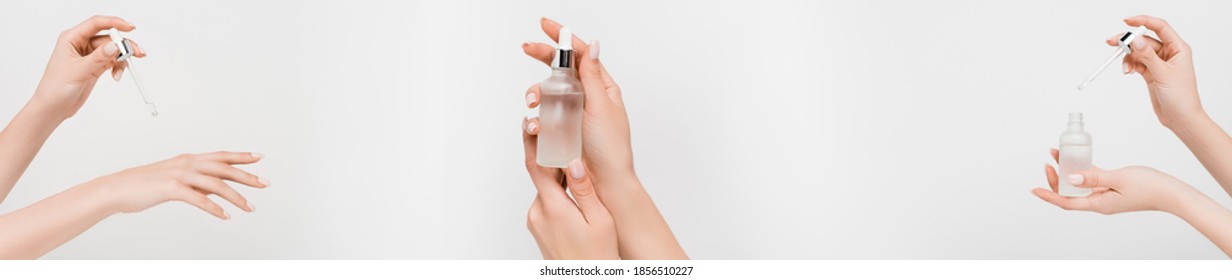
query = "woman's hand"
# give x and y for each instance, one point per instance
(1137, 188)
(80, 57)
(643, 232)
(564, 228)
(1167, 66)
(187, 178)
(37, 229)
(605, 126)
(1133, 188)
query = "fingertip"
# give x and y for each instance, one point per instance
(110, 49)
(1075, 179)
(577, 170)
(256, 156)
(532, 99)
(532, 126)
(264, 183)
(593, 50)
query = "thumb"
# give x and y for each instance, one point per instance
(583, 191)
(103, 58)
(591, 75)
(1145, 53)
(1094, 178)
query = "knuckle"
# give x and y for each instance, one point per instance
(583, 191)
(185, 157)
(531, 164)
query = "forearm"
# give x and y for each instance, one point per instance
(1210, 144)
(32, 231)
(1208, 217)
(21, 140)
(641, 229)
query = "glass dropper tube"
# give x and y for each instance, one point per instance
(1111, 59)
(149, 102)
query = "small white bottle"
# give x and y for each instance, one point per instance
(1075, 156)
(560, 109)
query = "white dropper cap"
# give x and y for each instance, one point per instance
(564, 49)
(565, 40)
(118, 39)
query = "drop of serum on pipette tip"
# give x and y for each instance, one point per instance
(153, 110)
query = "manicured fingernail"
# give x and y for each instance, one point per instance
(263, 181)
(257, 155)
(576, 170)
(530, 99)
(110, 49)
(1125, 68)
(531, 126)
(116, 73)
(225, 216)
(1138, 43)
(594, 50)
(251, 208)
(1075, 179)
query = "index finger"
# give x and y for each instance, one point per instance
(552, 29)
(95, 24)
(1160, 26)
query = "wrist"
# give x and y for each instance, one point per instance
(618, 179)
(1186, 120)
(97, 198)
(45, 110)
(1185, 203)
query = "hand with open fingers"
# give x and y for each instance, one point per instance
(1166, 64)
(577, 227)
(189, 178)
(1128, 189)
(605, 125)
(81, 56)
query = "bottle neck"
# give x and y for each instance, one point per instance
(563, 71)
(1076, 126)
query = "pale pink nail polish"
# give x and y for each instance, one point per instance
(530, 98)
(531, 126)
(1075, 179)
(263, 181)
(1125, 67)
(594, 50)
(576, 170)
(257, 155)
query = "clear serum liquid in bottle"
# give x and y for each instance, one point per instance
(1075, 156)
(560, 109)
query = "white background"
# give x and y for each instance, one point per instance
(810, 130)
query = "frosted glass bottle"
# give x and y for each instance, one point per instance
(1075, 156)
(560, 110)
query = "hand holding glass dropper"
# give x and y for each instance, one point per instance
(126, 51)
(1122, 48)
